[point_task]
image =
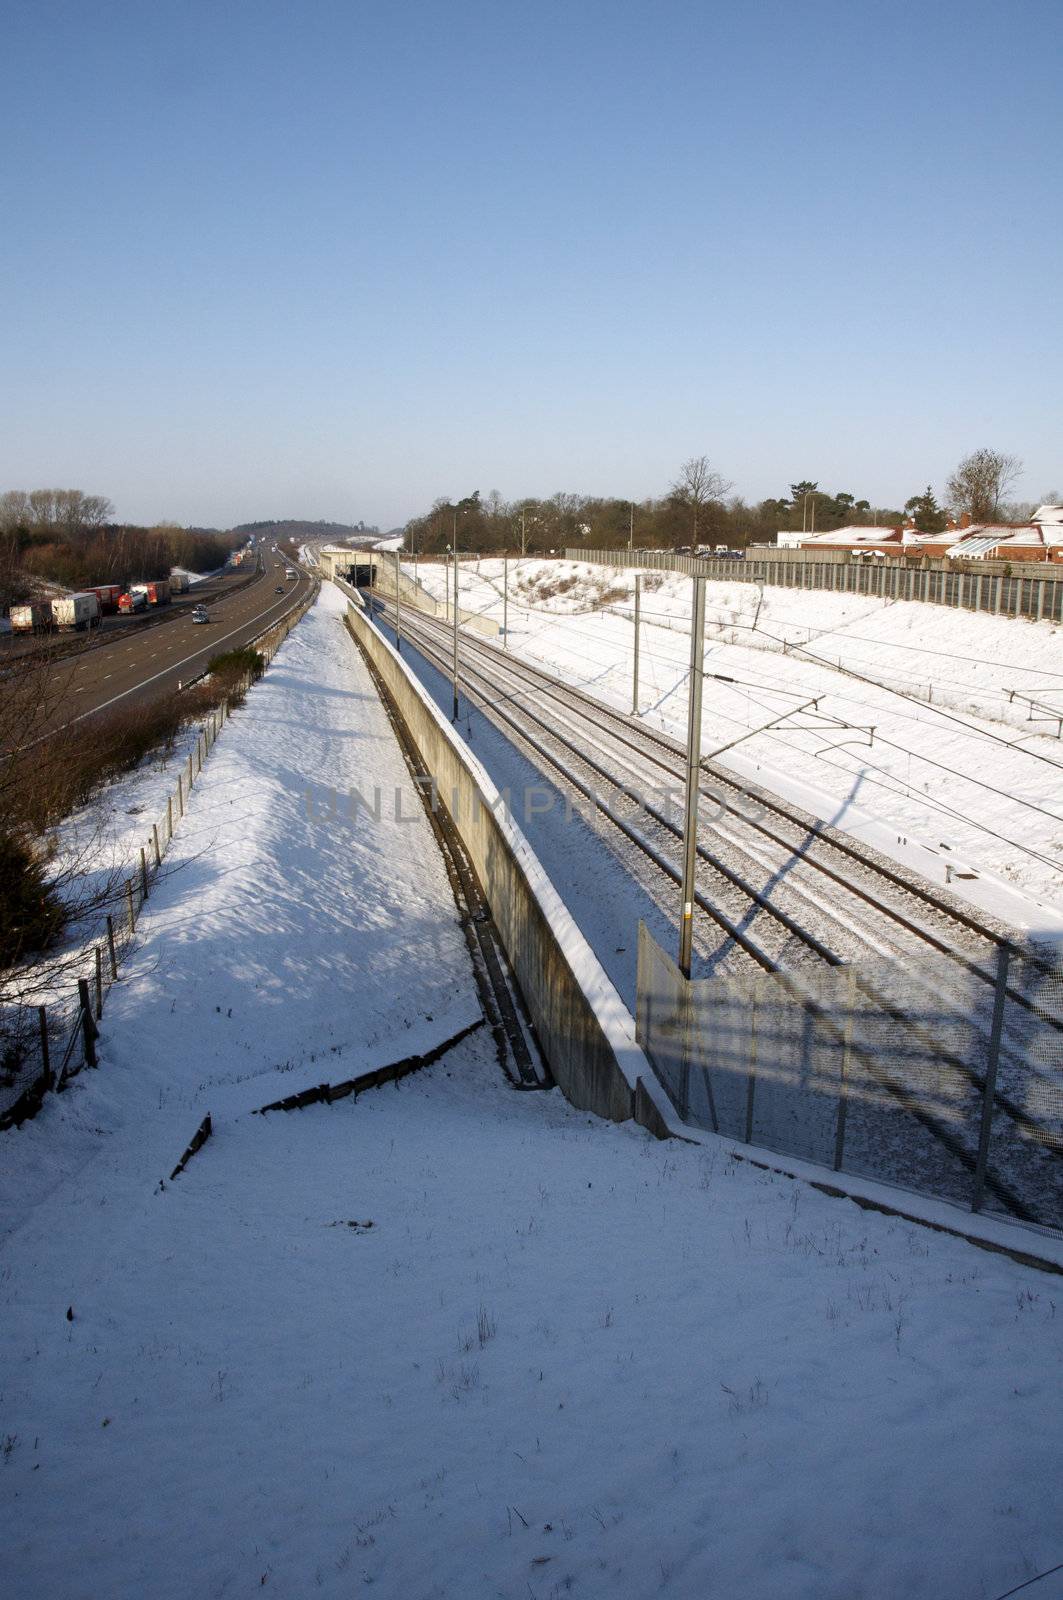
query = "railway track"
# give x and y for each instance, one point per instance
(781, 893)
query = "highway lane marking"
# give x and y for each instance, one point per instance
(174, 665)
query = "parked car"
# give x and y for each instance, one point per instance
(200, 614)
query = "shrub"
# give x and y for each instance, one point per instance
(229, 670)
(31, 916)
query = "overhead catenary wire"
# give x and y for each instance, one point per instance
(882, 739)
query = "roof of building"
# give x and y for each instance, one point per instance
(977, 540)
(854, 536)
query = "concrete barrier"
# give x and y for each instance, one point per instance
(585, 1031)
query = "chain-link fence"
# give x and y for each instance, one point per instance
(946, 1078)
(43, 1046)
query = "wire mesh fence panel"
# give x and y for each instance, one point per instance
(800, 1065)
(1026, 1139)
(913, 1104)
(946, 1079)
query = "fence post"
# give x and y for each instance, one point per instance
(989, 1092)
(169, 818)
(46, 1061)
(88, 1027)
(110, 947)
(638, 614)
(155, 842)
(143, 873)
(181, 793)
(129, 905)
(751, 1083)
(843, 1077)
(99, 983)
(190, 772)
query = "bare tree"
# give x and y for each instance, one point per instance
(979, 484)
(699, 485)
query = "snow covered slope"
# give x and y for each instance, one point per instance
(448, 1340)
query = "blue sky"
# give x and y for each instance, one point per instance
(334, 259)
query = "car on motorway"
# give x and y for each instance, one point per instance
(200, 614)
(279, 589)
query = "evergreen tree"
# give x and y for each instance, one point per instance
(925, 512)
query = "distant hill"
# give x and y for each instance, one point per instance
(294, 528)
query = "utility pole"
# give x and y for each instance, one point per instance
(505, 602)
(455, 633)
(522, 535)
(690, 817)
(398, 608)
(638, 609)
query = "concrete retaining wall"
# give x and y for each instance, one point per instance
(585, 1030)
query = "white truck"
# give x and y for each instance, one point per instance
(33, 618)
(178, 583)
(289, 572)
(78, 611)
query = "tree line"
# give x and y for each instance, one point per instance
(65, 537)
(700, 508)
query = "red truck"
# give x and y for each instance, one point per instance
(153, 594)
(108, 594)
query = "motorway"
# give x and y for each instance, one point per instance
(117, 667)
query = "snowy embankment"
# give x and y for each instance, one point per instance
(952, 762)
(448, 1340)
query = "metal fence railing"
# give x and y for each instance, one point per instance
(45, 1046)
(932, 1079)
(999, 589)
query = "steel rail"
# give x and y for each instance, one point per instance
(550, 687)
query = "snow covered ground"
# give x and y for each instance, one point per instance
(449, 1340)
(966, 772)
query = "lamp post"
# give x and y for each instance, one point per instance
(690, 810)
(635, 683)
(455, 632)
(398, 608)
